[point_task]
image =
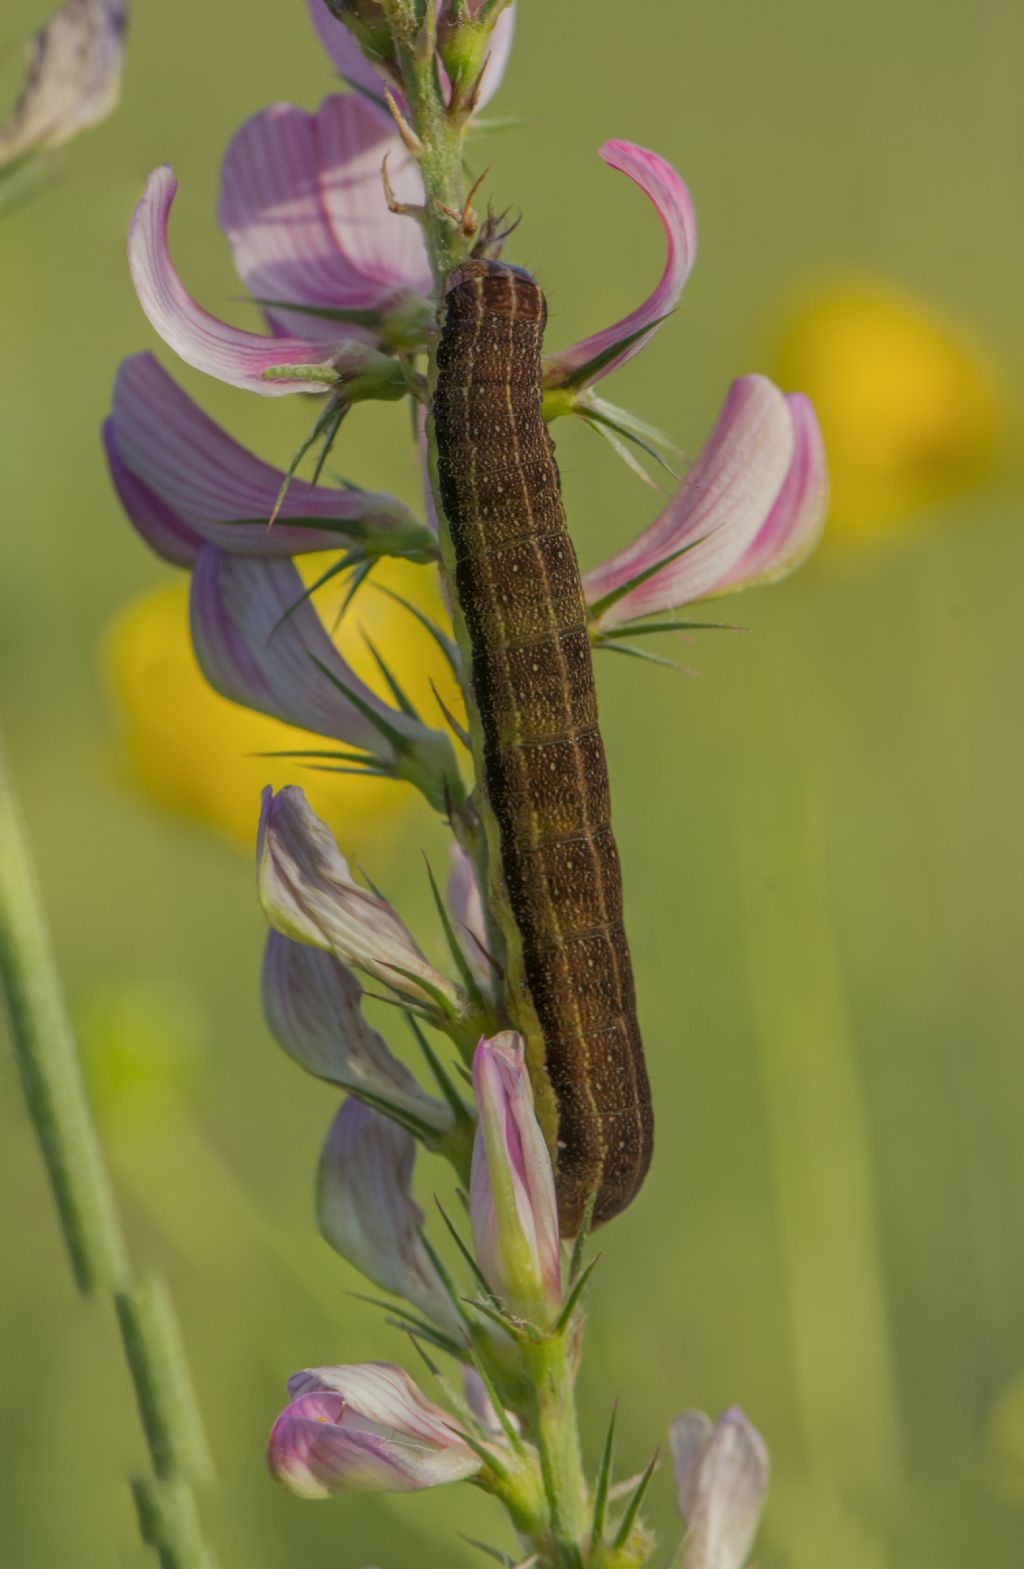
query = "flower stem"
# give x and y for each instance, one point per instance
(556, 1433)
(58, 1105)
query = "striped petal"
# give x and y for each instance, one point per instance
(281, 182)
(716, 514)
(593, 358)
(379, 244)
(176, 506)
(254, 652)
(232, 355)
(794, 525)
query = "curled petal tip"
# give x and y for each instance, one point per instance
(591, 359)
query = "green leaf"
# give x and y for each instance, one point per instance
(598, 608)
(604, 1476)
(633, 1507)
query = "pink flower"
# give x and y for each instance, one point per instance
(363, 1428)
(587, 361)
(178, 506)
(749, 511)
(303, 206)
(512, 1207)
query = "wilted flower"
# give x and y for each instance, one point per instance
(363, 1428)
(367, 1213)
(224, 494)
(751, 508)
(910, 406)
(313, 1006)
(308, 893)
(721, 1473)
(512, 1206)
(74, 78)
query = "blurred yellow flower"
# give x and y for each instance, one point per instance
(190, 750)
(909, 406)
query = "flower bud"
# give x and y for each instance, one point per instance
(363, 1428)
(308, 893)
(367, 1213)
(721, 1474)
(512, 1206)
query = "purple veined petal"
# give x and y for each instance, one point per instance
(718, 510)
(659, 181)
(367, 1212)
(794, 525)
(255, 653)
(280, 174)
(312, 1004)
(350, 62)
(73, 81)
(176, 506)
(379, 244)
(363, 1429)
(211, 345)
(163, 530)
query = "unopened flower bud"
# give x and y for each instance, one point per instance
(721, 1471)
(512, 1206)
(363, 1428)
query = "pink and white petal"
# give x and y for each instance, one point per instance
(794, 525)
(345, 54)
(272, 213)
(164, 532)
(383, 246)
(154, 421)
(254, 652)
(211, 345)
(717, 511)
(660, 182)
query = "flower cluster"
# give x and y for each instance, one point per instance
(316, 209)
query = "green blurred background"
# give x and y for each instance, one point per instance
(821, 832)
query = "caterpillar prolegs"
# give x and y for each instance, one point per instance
(518, 591)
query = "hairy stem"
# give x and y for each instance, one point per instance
(556, 1433)
(58, 1105)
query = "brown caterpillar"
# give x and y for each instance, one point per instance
(518, 591)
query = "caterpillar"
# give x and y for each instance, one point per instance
(517, 590)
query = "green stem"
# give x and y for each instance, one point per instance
(556, 1433)
(58, 1105)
